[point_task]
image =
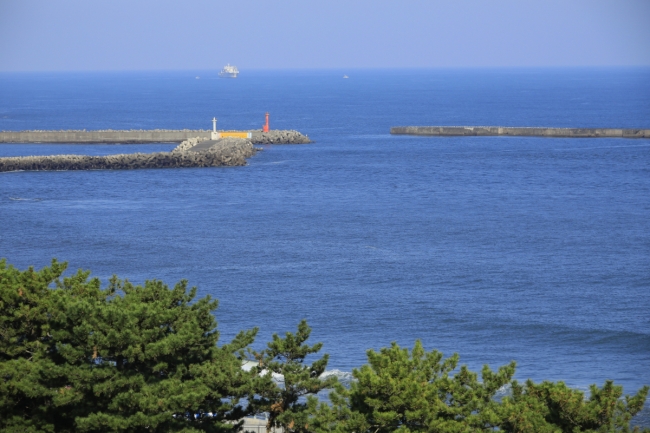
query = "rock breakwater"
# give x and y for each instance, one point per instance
(226, 152)
(279, 137)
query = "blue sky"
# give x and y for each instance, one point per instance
(80, 35)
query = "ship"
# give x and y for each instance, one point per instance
(229, 71)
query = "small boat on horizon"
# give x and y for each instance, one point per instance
(229, 71)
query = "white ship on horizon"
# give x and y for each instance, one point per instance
(229, 71)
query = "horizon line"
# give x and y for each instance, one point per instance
(336, 68)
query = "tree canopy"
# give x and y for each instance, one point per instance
(285, 358)
(415, 391)
(419, 391)
(554, 407)
(76, 357)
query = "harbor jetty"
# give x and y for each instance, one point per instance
(193, 152)
(143, 136)
(454, 131)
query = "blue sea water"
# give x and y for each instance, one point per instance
(498, 248)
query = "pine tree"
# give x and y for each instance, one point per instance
(284, 358)
(29, 377)
(554, 407)
(414, 391)
(125, 359)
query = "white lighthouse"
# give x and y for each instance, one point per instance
(215, 134)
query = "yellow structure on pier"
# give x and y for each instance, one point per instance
(234, 134)
(215, 135)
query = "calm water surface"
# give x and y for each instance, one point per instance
(498, 248)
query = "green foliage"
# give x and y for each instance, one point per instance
(336, 417)
(415, 391)
(285, 357)
(76, 357)
(125, 358)
(554, 407)
(29, 377)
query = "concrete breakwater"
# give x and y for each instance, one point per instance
(453, 131)
(225, 152)
(142, 136)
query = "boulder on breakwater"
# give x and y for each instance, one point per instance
(279, 137)
(226, 152)
(188, 144)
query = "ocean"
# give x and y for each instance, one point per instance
(499, 248)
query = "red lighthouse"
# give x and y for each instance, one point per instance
(265, 127)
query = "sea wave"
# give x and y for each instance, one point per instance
(345, 377)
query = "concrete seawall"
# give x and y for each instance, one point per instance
(453, 131)
(104, 136)
(141, 136)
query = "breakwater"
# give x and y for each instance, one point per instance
(453, 131)
(218, 153)
(279, 136)
(142, 136)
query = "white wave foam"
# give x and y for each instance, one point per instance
(345, 377)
